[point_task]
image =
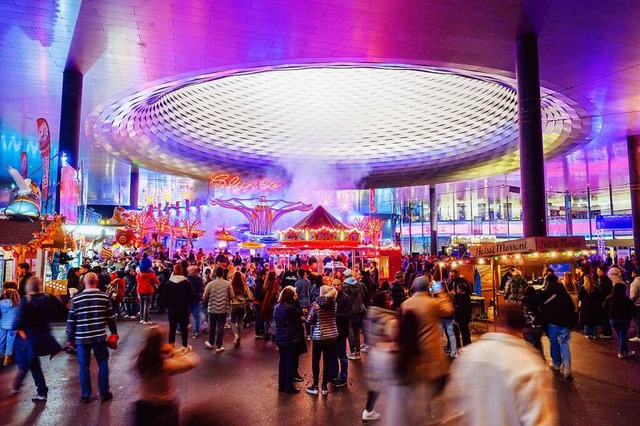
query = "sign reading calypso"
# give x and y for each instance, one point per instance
(237, 184)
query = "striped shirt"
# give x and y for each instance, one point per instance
(89, 313)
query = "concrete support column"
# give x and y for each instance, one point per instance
(70, 117)
(534, 203)
(134, 187)
(433, 219)
(634, 184)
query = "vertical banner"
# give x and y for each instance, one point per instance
(372, 201)
(69, 194)
(24, 164)
(44, 140)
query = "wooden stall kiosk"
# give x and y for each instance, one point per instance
(529, 255)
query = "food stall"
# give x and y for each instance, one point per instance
(529, 255)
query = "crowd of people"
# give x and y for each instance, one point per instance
(401, 326)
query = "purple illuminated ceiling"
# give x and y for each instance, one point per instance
(587, 49)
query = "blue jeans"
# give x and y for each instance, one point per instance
(591, 330)
(621, 328)
(216, 328)
(559, 342)
(101, 353)
(7, 339)
(447, 325)
(195, 312)
(38, 377)
(341, 352)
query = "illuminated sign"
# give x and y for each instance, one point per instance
(237, 184)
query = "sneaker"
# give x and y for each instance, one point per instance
(195, 335)
(586, 336)
(38, 397)
(453, 355)
(85, 399)
(604, 336)
(338, 383)
(178, 332)
(370, 415)
(364, 348)
(353, 356)
(298, 378)
(635, 339)
(631, 354)
(227, 326)
(189, 348)
(208, 345)
(308, 337)
(325, 391)
(142, 321)
(312, 390)
(106, 397)
(220, 349)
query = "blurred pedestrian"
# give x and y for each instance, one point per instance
(620, 310)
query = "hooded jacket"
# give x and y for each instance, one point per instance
(322, 319)
(356, 291)
(177, 294)
(557, 306)
(147, 282)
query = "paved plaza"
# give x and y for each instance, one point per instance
(239, 386)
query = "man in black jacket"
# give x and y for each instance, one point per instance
(343, 320)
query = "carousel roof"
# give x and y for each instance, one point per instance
(318, 219)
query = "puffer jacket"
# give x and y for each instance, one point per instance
(356, 291)
(198, 286)
(322, 319)
(287, 324)
(217, 295)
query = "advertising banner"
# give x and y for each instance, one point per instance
(24, 164)
(372, 201)
(44, 140)
(69, 193)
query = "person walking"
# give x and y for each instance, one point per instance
(270, 297)
(635, 297)
(34, 339)
(217, 295)
(558, 314)
(605, 287)
(9, 310)
(462, 313)
(381, 330)
(158, 397)
(324, 331)
(410, 400)
(89, 313)
(397, 291)
(177, 298)
(241, 298)
(620, 310)
(197, 284)
(288, 323)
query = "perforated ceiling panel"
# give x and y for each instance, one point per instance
(403, 125)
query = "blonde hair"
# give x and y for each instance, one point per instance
(12, 295)
(569, 283)
(588, 283)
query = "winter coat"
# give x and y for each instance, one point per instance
(34, 318)
(590, 306)
(146, 283)
(8, 314)
(217, 295)
(462, 308)
(429, 363)
(515, 288)
(177, 295)
(557, 306)
(625, 310)
(303, 290)
(357, 292)
(322, 319)
(397, 294)
(344, 306)
(197, 284)
(287, 324)
(605, 285)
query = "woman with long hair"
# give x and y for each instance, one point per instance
(9, 309)
(258, 296)
(241, 296)
(590, 310)
(270, 291)
(289, 335)
(620, 311)
(158, 396)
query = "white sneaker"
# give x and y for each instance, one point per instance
(635, 339)
(364, 348)
(38, 397)
(220, 349)
(141, 321)
(208, 345)
(370, 415)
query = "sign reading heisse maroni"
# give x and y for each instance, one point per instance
(235, 183)
(529, 245)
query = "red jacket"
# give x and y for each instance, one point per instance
(147, 282)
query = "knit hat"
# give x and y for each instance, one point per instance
(327, 291)
(145, 264)
(348, 273)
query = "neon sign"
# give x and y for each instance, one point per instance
(235, 183)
